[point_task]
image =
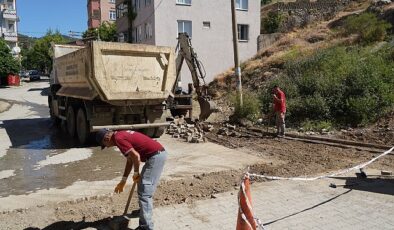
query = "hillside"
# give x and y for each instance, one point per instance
(317, 65)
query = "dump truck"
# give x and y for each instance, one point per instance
(111, 85)
(121, 86)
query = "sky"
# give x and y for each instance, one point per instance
(37, 16)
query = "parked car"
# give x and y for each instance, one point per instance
(34, 75)
(23, 74)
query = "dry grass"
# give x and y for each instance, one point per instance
(298, 42)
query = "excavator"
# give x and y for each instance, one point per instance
(182, 101)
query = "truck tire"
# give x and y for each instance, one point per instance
(82, 126)
(55, 120)
(158, 132)
(70, 116)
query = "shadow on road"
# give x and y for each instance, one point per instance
(44, 91)
(116, 222)
(375, 185)
(38, 133)
(307, 209)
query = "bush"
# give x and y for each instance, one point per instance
(342, 85)
(250, 109)
(316, 126)
(367, 26)
(271, 23)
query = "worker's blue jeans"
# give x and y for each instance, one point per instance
(150, 176)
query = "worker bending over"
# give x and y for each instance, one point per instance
(137, 147)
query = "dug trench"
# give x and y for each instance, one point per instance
(282, 157)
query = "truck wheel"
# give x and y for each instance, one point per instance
(56, 121)
(82, 126)
(158, 132)
(150, 132)
(70, 121)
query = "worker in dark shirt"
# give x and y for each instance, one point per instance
(137, 148)
(279, 98)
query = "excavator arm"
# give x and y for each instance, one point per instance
(186, 53)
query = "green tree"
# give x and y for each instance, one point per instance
(106, 30)
(272, 22)
(39, 56)
(8, 64)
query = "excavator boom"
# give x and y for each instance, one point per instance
(186, 53)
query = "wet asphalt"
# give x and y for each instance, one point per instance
(34, 139)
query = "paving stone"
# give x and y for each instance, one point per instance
(288, 205)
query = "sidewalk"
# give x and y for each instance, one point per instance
(292, 205)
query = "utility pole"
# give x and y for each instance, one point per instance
(237, 68)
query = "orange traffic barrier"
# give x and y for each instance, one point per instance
(245, 219)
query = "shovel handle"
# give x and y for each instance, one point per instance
(129, 199)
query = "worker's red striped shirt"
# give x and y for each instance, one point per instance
(144, 145)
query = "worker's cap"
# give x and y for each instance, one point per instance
(100, 136)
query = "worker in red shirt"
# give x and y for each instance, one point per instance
(279, 98)
(137, 148)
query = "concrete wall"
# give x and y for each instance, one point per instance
(214, 45)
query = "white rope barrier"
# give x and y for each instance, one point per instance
(357, 167)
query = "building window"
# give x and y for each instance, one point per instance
(206, 25)
(112, 1)
(185, 27)
(184, 2)
(11, 27)
(112, 15)
(137, 4)
(121, 10)
(139, 34)
(148, 30)
(241, 4)
(243, 32)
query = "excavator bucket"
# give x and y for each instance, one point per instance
(207, 107)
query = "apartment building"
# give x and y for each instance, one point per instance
(8, 22)
(100, 11)
(208, 22)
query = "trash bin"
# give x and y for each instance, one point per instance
(13, 80)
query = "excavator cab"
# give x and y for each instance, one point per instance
(183, 102)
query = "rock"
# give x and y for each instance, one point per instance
(213, 196)
(245, 123)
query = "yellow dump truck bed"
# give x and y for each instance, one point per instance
(117, 73)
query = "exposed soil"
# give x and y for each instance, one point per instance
(283, 157)
(382, 132)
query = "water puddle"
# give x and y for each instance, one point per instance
(71, 155)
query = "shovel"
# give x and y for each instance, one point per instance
(129, 199)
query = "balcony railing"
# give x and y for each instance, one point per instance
(10, 36)
(9, 14)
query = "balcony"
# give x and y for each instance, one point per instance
(10, 14)
(10, 36)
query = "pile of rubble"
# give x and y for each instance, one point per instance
(229, 130)
(190, 132)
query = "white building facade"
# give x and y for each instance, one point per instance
(208, 23)
(8, 22)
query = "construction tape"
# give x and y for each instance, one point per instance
(357, 167)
